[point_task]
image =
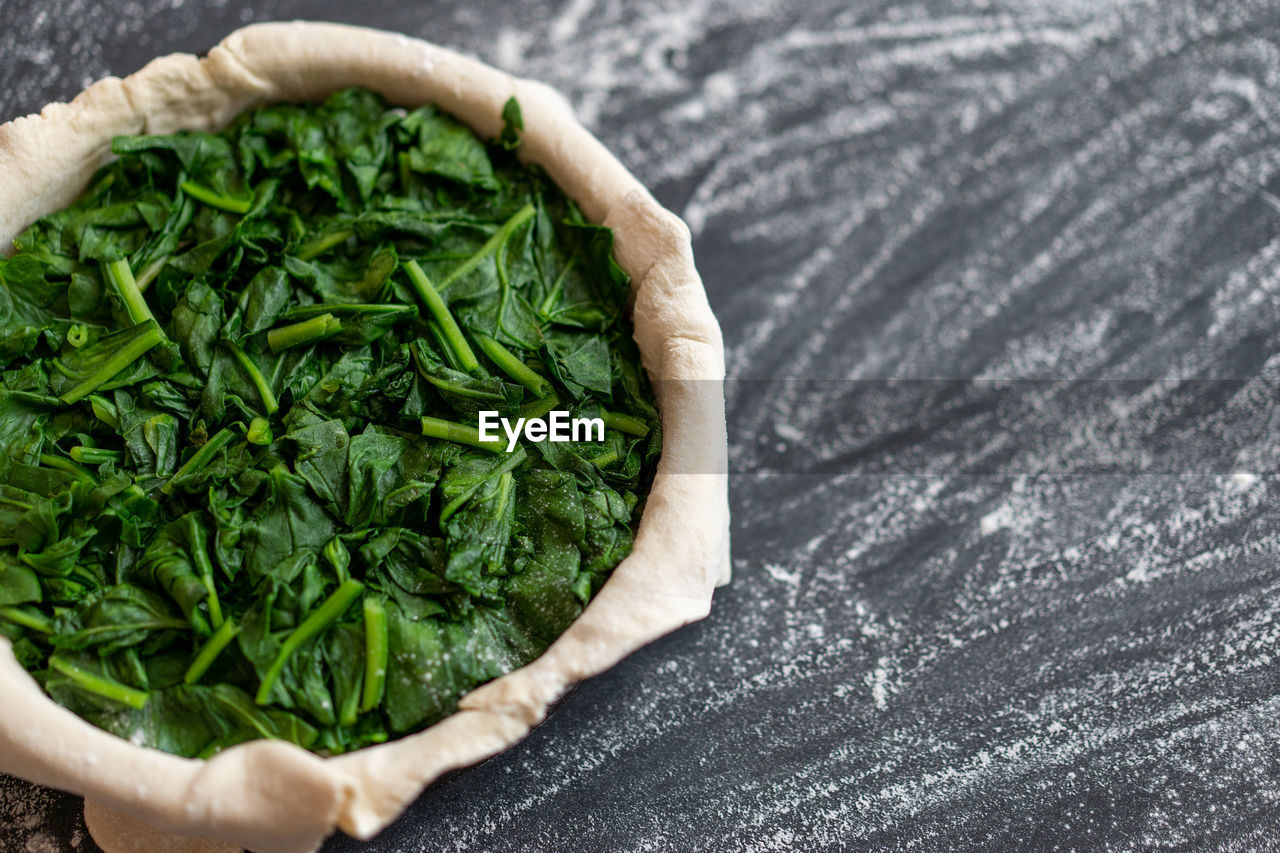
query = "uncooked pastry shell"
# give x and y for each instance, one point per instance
(271, 796)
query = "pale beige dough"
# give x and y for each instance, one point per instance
(274, 797)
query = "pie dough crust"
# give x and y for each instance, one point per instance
(271, 796)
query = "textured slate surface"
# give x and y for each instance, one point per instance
(959, 618)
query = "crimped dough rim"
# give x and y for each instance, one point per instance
(271, 796)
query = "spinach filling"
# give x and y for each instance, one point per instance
(240, 377)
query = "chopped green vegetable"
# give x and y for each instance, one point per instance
(78, 335)
(458, 345)
(325, 615)
(98, 685)
(318, 246)
(213, 199)
(512, 366)
(461, 433)
(95, 455)
(27, 619)
(202, 457)
(119, 274)
(625, 423)
(375, 651)
(254, 503)
(259, 432)
(259, 381)
(209, 652)
(95, 366)
(307, 332)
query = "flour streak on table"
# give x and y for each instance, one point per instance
(940, 634)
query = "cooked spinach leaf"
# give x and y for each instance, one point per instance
(242, 492)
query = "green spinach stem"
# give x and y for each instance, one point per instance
(121, 278)
(100, 686)
(259, 381)
(341, 309)
(67, 466)
(126, 355)
(314, 625)
(377, 652)
(461, 433)
(625, 423)
(553, 295)
(150, 271)
(606, 458)
(512, 366)
(213, 199)
(314, 248)
(539, 408)
(506, 487)
(454, 505)
(435, 304)
(95, 455)
(35, 621)
(306, 332)
(443, 343)
(157, 624)
(349, 713)
(201, 558)
(210, 650)
(490, 246)
(201, 457)
(406, 171)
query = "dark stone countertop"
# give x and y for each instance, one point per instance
(997, 613)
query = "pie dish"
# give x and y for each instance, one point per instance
(272, 796)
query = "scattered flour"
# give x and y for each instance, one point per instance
(911, 652)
